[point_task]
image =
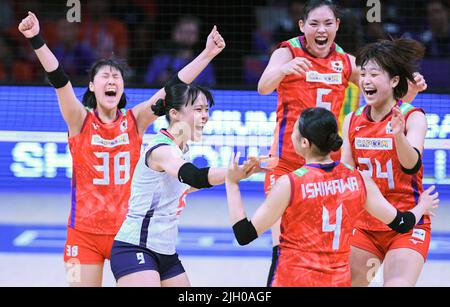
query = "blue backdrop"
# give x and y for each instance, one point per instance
(33, 136)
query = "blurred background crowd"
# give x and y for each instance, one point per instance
(157, 38)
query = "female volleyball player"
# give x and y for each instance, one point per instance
(308, 71)
(144, 252)
(105, 142)
(318, 205)
(385, 140)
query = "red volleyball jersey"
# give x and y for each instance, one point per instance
(104, 158)
(317, 225)
(323, 86)
(373, 150)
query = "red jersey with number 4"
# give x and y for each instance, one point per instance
(317, 225)
(323, 86)
(373, 150)
(104, 157)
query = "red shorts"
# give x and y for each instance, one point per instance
(87, 248)
(380, 242)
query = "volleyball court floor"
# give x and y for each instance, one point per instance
(32, 236)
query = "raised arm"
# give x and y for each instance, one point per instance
(265, 216)
(281, 64)
(165, 159)
(214, 45)
(346, 151)
(71, 108)
(409, 147)
(401, 222)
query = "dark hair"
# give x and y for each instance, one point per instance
(179, 96)
(313, 4)
(319, 126)
(89, 97)
(398, 57)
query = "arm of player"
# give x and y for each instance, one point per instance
(356, 70)
(265, 216)
(380, 208)
(415, 88)
(281, 64)
(72, 110)
(164, 158)
(214, 45)
(346, 151)
(416, 128)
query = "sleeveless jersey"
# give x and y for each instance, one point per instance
(323, 86)
(155, 203)
(104, 157)
(373, 150)
(317, 224)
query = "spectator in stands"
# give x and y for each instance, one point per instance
(437, 37)
(288, 28)
(177, 53)
(75, 56)
(104, 33)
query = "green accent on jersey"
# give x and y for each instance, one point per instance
(405, 108)
(124, 111)
(300, 172)
(359, 111)
(295, 42)
(162, 139)
(348, 166)
(339, 49)
(89, 109)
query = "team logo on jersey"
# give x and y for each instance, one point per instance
(388, 128)
(373, 143)
(314, 76)
(120, 140)
(124, 126)
(337, 66)
(95, 126)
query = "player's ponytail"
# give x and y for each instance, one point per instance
(319, 126)
(334, 142)
(159, 108)
(398, 57)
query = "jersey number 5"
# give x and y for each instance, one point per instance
(323, 104)
(119, 169)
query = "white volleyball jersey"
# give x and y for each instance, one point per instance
(155, 203)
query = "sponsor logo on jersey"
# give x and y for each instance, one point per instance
(120, 140)
(314, 76)
(331, 187)
(337, 66)
(95, 126)
(373, 143)
(419, 234)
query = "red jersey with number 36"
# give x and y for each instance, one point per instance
(323, 86)
(373, 150)
(104, 158)
(317, 225)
